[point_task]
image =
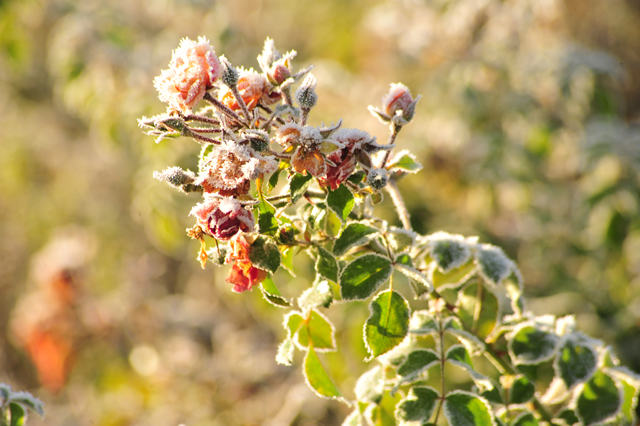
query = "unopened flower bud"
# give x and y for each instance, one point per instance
(306, 93)
(399, 99)
(175, 176)
(278, 73)
(378, 178)
(229, 75)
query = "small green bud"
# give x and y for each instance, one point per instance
(306, 93)
(378, 178)
(229, 74)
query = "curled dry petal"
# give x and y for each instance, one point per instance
(309, 160)
(243, 274)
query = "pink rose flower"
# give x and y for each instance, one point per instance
(193, 69)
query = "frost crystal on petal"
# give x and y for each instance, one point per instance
(229, 168)
(193, 69)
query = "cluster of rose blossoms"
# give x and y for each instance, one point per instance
(248, 113)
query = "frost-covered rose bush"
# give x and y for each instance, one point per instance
(465, 311)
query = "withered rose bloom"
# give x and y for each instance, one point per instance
(398, 99)
(288, 134)
(309, 160)
(243, 274)
(229, 169)
(251, 86)
(222, 218)
(193, 69)
(344, 159)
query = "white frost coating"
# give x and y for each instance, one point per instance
(310, 136)
(230, 164)
(352, 138)
(494, 265)
(459, 256)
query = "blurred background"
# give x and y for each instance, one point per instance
(528, 131)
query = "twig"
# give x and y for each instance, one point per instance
(403, 213)
(222, 108)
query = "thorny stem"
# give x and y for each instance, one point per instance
(442, 363)
(305, 115)
(203, 139)
(398, 201)
(394, 130)
(222, 107)
(202, 119)
(204, 129)
(240, 101)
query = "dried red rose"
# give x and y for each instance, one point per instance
(222, 218)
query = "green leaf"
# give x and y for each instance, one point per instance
(29, 401)
(320, 294)
(568, 416)
(420, 286)
(272, 294)
(298, 186)
(575, 362)
(388, 323)
(459, 356)
(418, 405)
(494, 265)
(522, 390)
(267, 222)
(453, 326)
(370, 386)
(355, 234)
(315, 331)
(525, 419)
(467, 409)
(18, 415)
(364, 276)
(493, 395)
(341, 201)
(416, 363)
(467, 303)
(327, 265)
(629, 382)
(530, 345)
(454, 278)
(273, 179)
(264, 254)
(599, 400)
(404, 161)
(318, 379)
(449, 253)
(357, 177)
(400, 239)
(285, 352)
(423, 322)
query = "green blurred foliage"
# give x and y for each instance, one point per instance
(522, 130)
